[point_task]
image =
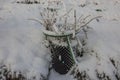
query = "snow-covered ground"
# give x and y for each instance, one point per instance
(21, 40)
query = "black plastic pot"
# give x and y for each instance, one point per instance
(62, 53)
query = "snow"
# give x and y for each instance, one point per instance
(21, 40)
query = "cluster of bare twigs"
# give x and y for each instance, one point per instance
(79, 75)
(116, 65)
(48, 19)
(28, 2)
(102, 76)
(6, 74)
(51, 21)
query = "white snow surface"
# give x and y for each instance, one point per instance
(21, 40)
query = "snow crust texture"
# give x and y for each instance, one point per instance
(22, 48)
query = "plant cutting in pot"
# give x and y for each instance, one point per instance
(62, 35)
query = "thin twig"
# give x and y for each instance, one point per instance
(83, 19)
(79, 18)
(86, 17)
(65, 23)
(75, 24)
(37, 21)
(66, 13)
(77, 31)
(91, 20)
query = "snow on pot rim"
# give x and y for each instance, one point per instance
(55, 34)
(69, 33)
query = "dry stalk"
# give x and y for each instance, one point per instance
(75, 24)
(37, 20)
(90, 20)
(85, 24)
(66, 13)
(80, 18)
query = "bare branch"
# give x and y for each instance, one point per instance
(77, 31)
(43, 18)
(66, 13)
(91, 20)
(83, 19)
(86, 17)
(75, 23)
(79, 18)
(37, 21)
